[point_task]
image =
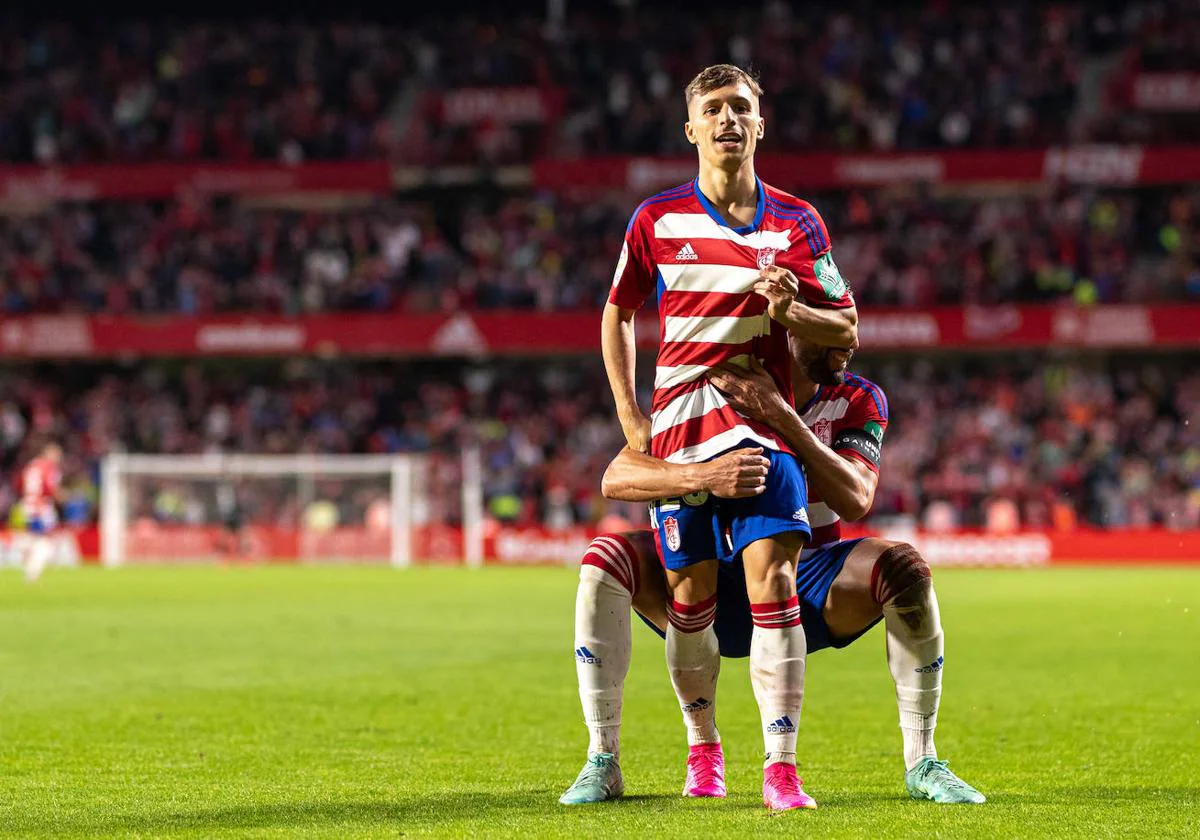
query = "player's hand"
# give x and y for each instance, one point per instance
(637, 431)
(751, 392)
(780, 287)
(737, 474)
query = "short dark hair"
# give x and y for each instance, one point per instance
(719, 76)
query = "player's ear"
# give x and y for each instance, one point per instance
(762, 127)
(689, 132)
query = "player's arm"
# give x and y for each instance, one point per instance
(637, 477)
(843, 482)
(805, 290)
(633, 282)
(829, 327)
(619, 346)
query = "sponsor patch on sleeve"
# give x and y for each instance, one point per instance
(829, 277)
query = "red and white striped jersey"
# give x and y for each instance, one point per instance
(678, 246)
(851, 419)
(40, 481)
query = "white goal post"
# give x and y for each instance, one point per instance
(309, 508)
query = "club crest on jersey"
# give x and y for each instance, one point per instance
(823, 429)
(671, 531)
(766, 257)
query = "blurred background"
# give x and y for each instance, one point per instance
(392, 234)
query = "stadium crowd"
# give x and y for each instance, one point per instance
(850, 76)
(907, 248)
(1051, 443)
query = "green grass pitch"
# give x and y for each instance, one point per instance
(369, 702)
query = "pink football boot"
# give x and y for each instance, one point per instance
(706, 771)
(782, 788)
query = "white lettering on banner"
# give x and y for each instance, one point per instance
(1109, 326)
(884, 170)
(1094, 164)
(540, 547)
(459, 335)
(899, 330)
(13, 543)
(46, 185)
(648, 173)
(967, 551)
(466, 106)
(221, 338)
(988, 323)
(47, 335)
(1167, 92)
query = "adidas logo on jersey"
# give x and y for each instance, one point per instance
(687, 253)
(585, 656)
(781, 725)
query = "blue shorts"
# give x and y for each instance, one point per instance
(693, 528)
(41, 525)
(814, 578)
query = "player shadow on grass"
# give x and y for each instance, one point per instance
(424, 811)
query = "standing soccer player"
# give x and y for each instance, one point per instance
(727, 256)
(41, 490)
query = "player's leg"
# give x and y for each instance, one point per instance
(38, 551)
(881, 578)
(770, 532)
(686, 541)
(612, 573)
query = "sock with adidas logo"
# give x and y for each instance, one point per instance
(902, 585)
(603, 640)
(916, 653)
(694, 663)
(777, 658)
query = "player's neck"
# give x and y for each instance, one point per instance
(803, 388)
(734, 193)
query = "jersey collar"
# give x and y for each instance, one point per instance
(759, 212)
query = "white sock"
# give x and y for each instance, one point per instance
(915, 656)
(603, 643)
(38, 558)
(694, 662)
(777, 656)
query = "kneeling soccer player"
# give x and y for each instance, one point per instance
(845, 586)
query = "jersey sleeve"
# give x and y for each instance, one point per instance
(821, 283)
(633, 281)
(859, 434)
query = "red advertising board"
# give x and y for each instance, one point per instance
(526, 333)
(1090, 164)
(504, 105)
(1087, 164)
(39, 184)
(543, 546)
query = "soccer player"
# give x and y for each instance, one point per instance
(736, 265)
(845, 586)
(41, 490)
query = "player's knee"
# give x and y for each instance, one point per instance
(775, 582)
(900, 571)
(611, 556)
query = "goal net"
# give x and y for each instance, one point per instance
(397, 509)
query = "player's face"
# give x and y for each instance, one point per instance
(822, 365)
(725, 125)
